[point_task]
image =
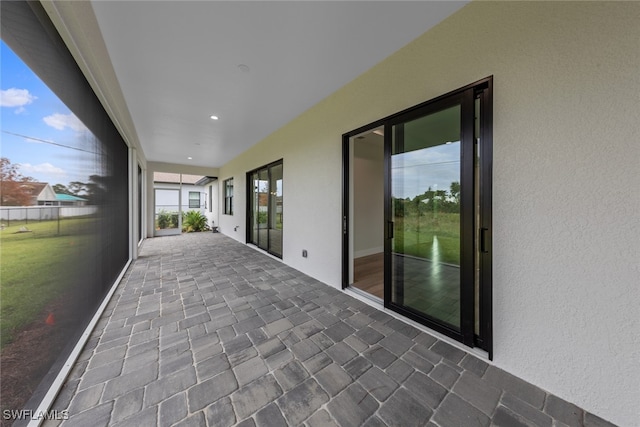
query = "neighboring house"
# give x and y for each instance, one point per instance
(193, 193)
(175, 192)
(69, 200)
(41, 193)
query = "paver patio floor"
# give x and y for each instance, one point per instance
(205, 331)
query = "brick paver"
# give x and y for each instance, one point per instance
(205, 331)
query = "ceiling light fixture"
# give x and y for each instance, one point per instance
(189, 158)
(214, 117)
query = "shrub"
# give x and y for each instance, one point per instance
(262, 217)
(194, 221)
(167, 220)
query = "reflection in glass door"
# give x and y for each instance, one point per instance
(266, 209)
(262, 213)
(275, 209)
(425, 208)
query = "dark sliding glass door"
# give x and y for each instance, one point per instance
(437, 212)
(425, 241)
(265, 214)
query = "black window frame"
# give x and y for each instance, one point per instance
(272, 208)
(228, 196)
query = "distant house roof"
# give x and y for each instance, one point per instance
(69, 198)
(34, 188)
(41, 191)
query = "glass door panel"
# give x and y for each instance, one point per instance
(167, 212)
(425, 216)
(265, 217)
(275, 210)
(253, 200)
(140, 205)
(263, 209)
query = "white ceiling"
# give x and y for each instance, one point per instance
(177, 64)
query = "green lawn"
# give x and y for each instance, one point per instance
(36, 267)
(415, 236)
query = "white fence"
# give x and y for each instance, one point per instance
(43, 213)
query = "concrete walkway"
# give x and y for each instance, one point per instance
(204, 331)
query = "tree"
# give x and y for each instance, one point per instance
(62, 189)
(95, 191)
(455, 191)
(14, 188)
(77, 188)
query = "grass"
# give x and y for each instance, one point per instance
(432, 237)
(36, 267)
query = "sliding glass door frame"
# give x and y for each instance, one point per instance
(253, 201)
(475, 211)
(465, 100)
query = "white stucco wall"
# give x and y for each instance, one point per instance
(368, 194)
(212, 207)
(164, 200)
(566, 164)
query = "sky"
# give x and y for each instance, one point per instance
(33, 121)
(414, 172)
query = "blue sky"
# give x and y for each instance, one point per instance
(414, 172)
(30, 109)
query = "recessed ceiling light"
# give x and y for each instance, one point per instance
(189, 158)
(244, 68)
(214, 117)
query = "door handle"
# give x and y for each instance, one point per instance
(483, 240)
(390, 229)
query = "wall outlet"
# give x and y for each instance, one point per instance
(304, 253)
